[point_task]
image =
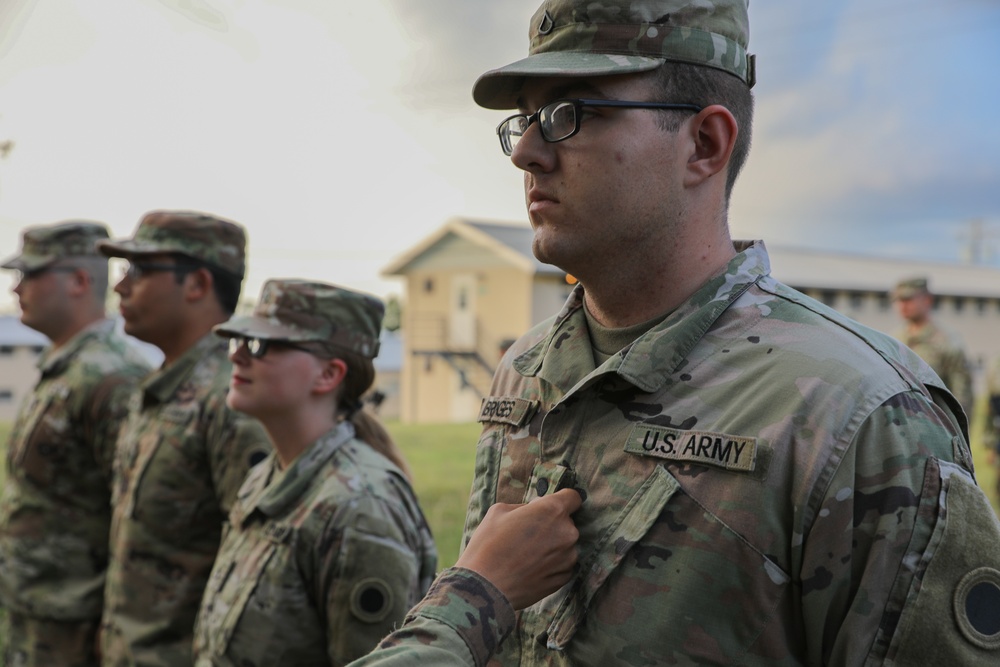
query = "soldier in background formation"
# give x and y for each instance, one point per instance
(327, 548)
(991, 432)
(182, 454)
(169, 504)
(941, 348)
(56, 504)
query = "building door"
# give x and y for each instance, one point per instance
(462, 338)
(462, 314)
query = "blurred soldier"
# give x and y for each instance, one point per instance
(991, 432)
(941, 348)
(56, 503)
(765, 481)
(182, 454)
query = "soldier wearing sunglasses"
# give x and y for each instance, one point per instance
(182, 453)
(326, 548)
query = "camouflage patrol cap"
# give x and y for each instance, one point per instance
(303, 311)
(604, 37)
(910, 287)
(41, 246)
(200, 236)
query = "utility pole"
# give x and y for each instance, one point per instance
(6, 147)
(977, 242)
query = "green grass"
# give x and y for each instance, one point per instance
(442, 458)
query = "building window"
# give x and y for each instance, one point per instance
(6, 396)
(959, 303)
(981, 304)
(6, 350)
(857, 300)
(829, 297)
(429, 285)
(884, 302)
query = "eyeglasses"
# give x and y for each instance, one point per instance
(24, 275)
(560, 120)
(137, 269)
(258, 347)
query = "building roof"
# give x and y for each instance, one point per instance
(807, 268)
(13, 333)
(509, 241)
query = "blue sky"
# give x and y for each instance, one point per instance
(342, 135)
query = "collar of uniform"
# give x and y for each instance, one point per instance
(161, 385)
(286, 488)
(54, 361)
(529, 363)
(657, 353)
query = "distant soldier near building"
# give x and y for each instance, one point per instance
(991, 434)
(182, 454)
(56, 504)
(941, 348)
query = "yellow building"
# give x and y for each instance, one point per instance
(471, 289)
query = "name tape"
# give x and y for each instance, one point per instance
(508, 410)
(731, 452)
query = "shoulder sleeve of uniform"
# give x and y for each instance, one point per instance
(951, 598)
(878, 525)
(235, 443)
(375, 563)
(461, 621)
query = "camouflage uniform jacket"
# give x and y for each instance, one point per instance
(182, 456)
(320, 561)
(942, 350)
(766, 483)
(56, 503)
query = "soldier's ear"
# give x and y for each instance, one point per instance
(198, 284)
(331, 375)
(79, 282)
(712, 138)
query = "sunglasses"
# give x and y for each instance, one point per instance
(258, 347)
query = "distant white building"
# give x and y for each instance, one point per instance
(388, 366)
(20, 347)
(967, 297)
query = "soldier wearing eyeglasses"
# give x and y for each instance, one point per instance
(182, 453)
(765, 481)
(55, 507)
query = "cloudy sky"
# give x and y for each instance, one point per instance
(340, 134)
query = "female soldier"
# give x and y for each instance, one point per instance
(326, 547)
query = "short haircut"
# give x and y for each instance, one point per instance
(704, 86)
(226, 285)
(95, 267)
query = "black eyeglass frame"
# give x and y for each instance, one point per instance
(30, 274)
(257, 347)
(136, 269)
(504, 134)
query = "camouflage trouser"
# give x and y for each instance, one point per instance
(34, 642)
